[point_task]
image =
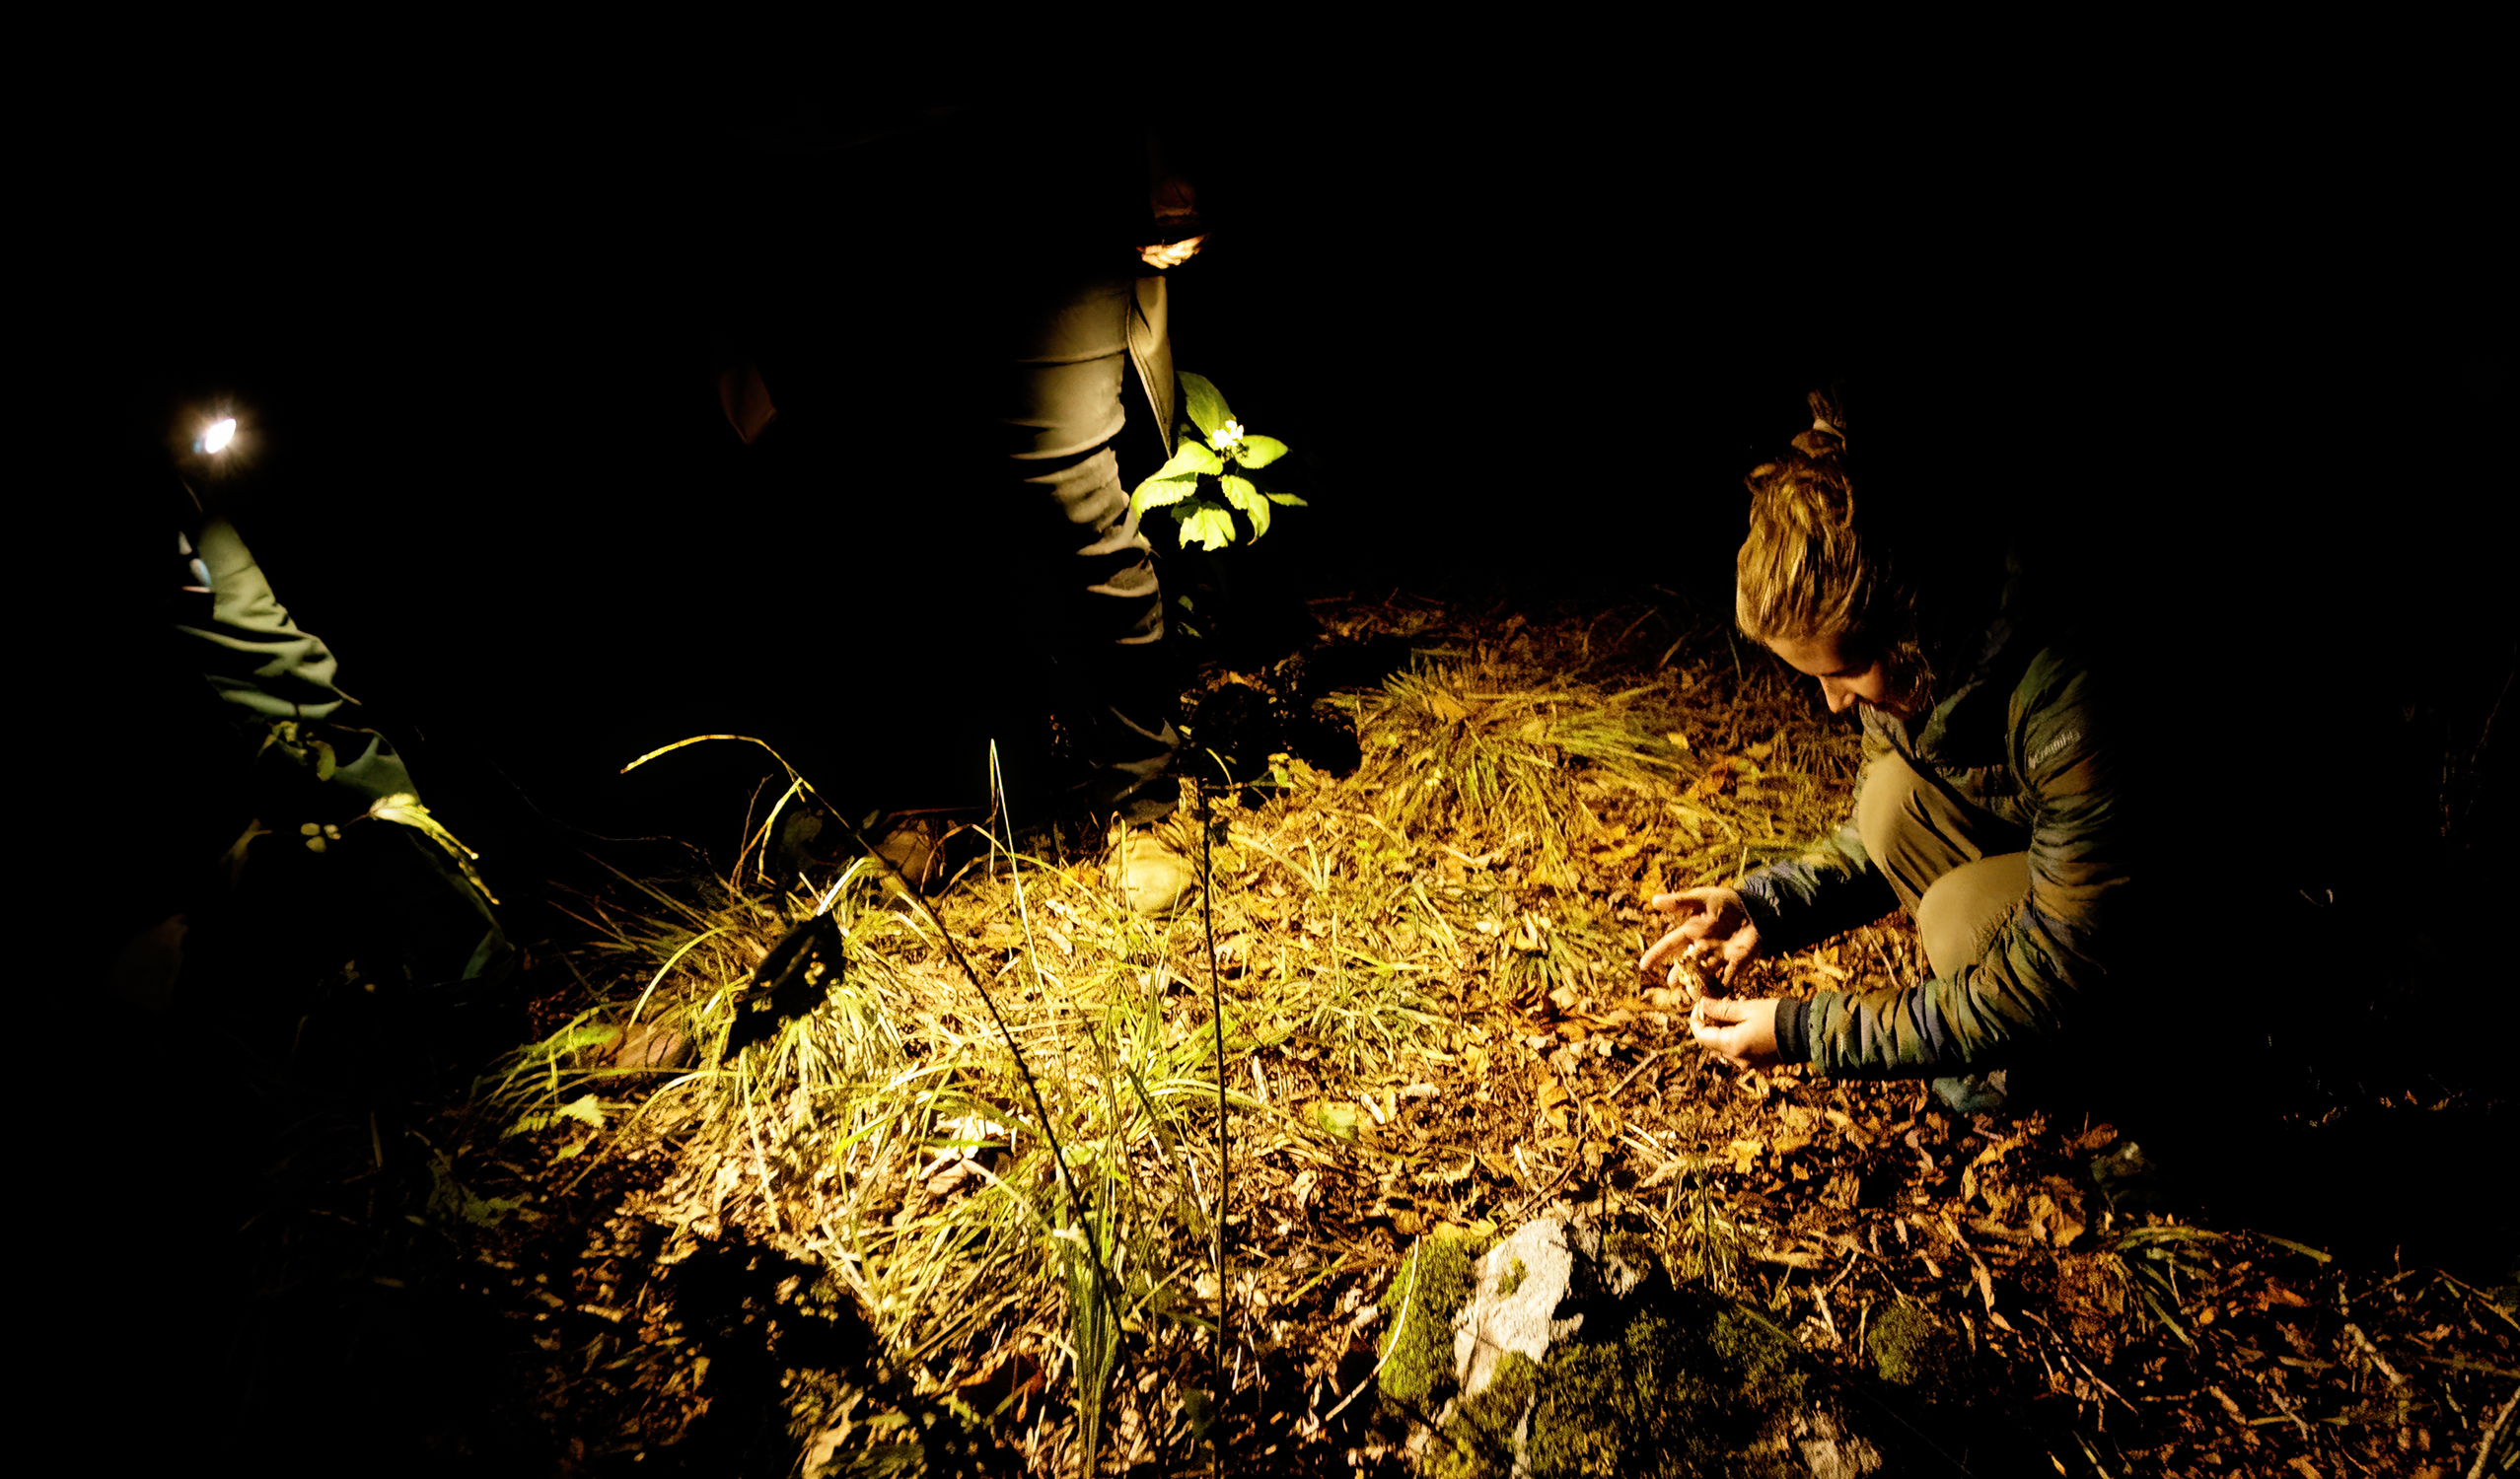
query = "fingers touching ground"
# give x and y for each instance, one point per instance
(1713, 930)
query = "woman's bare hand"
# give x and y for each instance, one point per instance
(1741, 1032)
(1713, 930)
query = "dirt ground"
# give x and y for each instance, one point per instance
(689, 1227)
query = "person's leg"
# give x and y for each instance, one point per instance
(1916, 832)
(1961, 875)
(1057, 408)
(1964, 911)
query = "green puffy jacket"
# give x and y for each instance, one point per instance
(2022, 732)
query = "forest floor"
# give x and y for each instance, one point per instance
(722, 1226)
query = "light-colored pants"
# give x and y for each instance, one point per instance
(1962, 873)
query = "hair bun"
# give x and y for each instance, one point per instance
(1822, 446)
(1830, 406)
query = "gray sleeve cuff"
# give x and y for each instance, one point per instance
(1793, 1041)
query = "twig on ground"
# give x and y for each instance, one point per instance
(2493, 1436)
(1399, 1327)
(2373, 1351)
(1649, 1061)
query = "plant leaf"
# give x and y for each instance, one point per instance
(1241, 494)
(1260, 452)
(1156, 492)
(1289, 499)
(1194, 457)
(1207, 525)
(1204, 403)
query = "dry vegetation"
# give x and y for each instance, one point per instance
(1431, 1027)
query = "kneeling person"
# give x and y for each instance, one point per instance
(1988, 807)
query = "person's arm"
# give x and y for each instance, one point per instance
(2031, 983)
(1781, 907)
(1832, 888)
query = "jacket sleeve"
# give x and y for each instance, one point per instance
(1830, 889)
(2040, 971)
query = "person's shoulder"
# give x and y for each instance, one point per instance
(2072, 668)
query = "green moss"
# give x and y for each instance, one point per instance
(1911, 1350)
(1759, 1362)
(1512, 1279)
(1687, 1389)
(1418, 1376)
(1633, 1247)
(1479, 1441)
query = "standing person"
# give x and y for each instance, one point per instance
(959, 352)
(1991, 805)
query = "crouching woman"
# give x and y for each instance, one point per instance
(1988, 806)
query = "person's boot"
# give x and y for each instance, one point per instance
(1126, 773)
(2128, 1180)
(1974, 1093)
(1150, 877)
(932, 849)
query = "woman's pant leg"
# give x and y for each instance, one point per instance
(1962, 874)
(1918, 836)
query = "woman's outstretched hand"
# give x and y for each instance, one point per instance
(1741, 1033)
(1713, 930)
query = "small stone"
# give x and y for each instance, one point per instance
(1151, 877)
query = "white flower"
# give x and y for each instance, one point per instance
(1228, 436)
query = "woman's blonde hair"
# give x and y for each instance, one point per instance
(1810, 568)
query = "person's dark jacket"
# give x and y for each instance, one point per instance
(2023, 730)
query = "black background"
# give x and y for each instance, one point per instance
(1521, 341)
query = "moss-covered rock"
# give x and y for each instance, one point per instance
(1417, 1361)
(1910, 1349)
(1572, 1354)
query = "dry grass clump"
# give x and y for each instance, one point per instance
(1369, 931)
(1007, 1186)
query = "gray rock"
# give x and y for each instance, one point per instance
(1534, 1291)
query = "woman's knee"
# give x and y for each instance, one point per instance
(1960, 916)
(1879, 804)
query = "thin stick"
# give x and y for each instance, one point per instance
(2501, 1420)
(1400, 1327)
(1224, 1165)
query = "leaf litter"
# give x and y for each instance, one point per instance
(1433, 1027)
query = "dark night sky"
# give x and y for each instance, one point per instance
(1528, 344)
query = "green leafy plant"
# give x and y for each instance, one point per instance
(1196, 486)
